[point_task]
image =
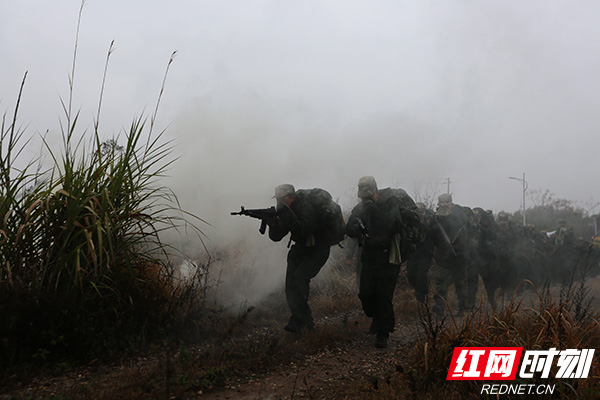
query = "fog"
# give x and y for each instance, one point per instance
(318, 93)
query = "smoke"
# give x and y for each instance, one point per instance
(318, 94)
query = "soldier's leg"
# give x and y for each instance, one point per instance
(367, 289)
(459, 278)
(291, 293)
(442, 280)
(472, 284)
(358, 266)
(423, 279)
(489, 281)
(303, 265)
(411, 271)
(416, 274)
(386, 278)
(372, 262)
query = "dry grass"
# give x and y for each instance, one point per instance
(242, 346)
(84, 272)
(564, 322)
(228, 348)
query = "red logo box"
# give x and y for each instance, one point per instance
(484, 363)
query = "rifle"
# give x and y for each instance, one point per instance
(263, 214)
(444, 235)
(363, 228)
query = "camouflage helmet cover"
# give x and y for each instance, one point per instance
(284, 190)
(366, 187)
(444, 201)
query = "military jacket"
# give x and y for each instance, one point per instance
(381, 221)
(301, 220)
(461, 229)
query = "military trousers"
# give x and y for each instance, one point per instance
(450, 271)
(303, 264)
(376, 290)
(488, 270)
(472, 278)
(417, 270)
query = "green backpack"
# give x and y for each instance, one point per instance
(331, 219)
(413, 230)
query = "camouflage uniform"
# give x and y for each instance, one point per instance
(588, 259)
(305, 258)
(380, 255)
(419, 263)
(564, 252)
(453, 262)
(509, 240)
(487, 253)
(538, 253)
(472, 268)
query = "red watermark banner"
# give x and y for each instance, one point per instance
(484, 363)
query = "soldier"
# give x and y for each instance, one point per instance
(419, 263)
(377, 223)
(472, 268)
(564, 252)
(454, 242)
(588, 259)
(537, 254)
(307, 255)
(564, 234)
(486, 255)
(509, 239)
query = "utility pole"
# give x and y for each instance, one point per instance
(447, 181)
(524, 190)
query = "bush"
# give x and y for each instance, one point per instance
(83, 271)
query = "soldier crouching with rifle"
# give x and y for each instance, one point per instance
(377, 224)
(307, 255)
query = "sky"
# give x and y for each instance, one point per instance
(320, 93)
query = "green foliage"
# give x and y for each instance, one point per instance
(83, 271)
(80, 251)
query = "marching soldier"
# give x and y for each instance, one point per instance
(307, 255)
(454, 244)
(419, 263)
(378, 224)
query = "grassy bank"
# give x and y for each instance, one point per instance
(83, 270)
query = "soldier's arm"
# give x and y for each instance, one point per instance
(353, 227)
(280, 226)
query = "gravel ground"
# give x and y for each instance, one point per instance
(320, 375)
(313, 376)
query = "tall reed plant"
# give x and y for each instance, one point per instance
(83, 269)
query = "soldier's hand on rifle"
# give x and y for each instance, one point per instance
(363, 229)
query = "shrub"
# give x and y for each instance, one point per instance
(83, 270)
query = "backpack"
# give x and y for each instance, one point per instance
(413, 230)
(330, 216)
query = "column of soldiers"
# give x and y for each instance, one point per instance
(453, 245)
(467, 244)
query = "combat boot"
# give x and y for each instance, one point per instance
(381, 340)
(294, 325)
(372, 330)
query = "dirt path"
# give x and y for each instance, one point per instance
(320, 375)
